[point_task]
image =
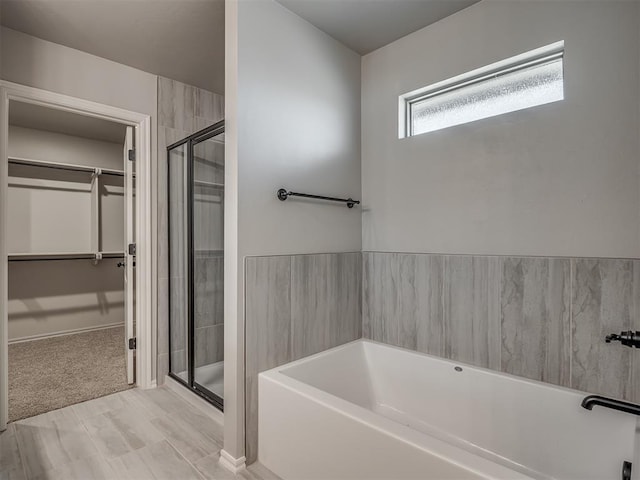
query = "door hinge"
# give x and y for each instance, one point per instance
(132, 155)
(132, 249)
(132, 344)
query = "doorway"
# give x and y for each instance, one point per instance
(75, 228)
(70, 276)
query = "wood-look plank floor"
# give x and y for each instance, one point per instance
(136, 434)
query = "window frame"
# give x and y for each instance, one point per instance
(537, 57)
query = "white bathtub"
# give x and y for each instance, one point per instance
(370, 411)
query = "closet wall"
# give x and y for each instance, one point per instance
(51, 211)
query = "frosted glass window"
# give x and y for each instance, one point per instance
(515, 85)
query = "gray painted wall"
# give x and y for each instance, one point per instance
(555, 180)
(37, 63)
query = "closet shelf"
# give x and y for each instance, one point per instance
(63, 166)
(112, 254)
(24, 257)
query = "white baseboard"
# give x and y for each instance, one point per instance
(234, 465)
(73, 331)
(198, 402)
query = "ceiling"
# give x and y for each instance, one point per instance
(184, 39)
(42, 118)
(178, 39)
(366, 25)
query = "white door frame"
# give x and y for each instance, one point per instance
(142, 123)
(129, 257)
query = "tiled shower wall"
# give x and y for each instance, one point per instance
(295, 306)
(209, 310)
(540, 318)
(182, 111)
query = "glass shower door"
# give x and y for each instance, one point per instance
(208, 244)
(179, 348)
(196, 262)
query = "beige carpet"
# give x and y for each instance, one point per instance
(56, 372)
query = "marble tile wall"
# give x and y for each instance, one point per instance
(209, 345)
(539, 318)
(209, 290)
(535, 303)
(209, 308)
(605, 301)
(296, 306)
(182, 111)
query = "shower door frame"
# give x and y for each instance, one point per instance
(198, 137)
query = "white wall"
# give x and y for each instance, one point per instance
(560, 179)
(299, 128)
(292, 120)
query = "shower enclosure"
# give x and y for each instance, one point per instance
(196, 262)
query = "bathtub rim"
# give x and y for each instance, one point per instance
(442, 449)
(442, 360)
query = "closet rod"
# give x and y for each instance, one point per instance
(63, 166)
(34, 257)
